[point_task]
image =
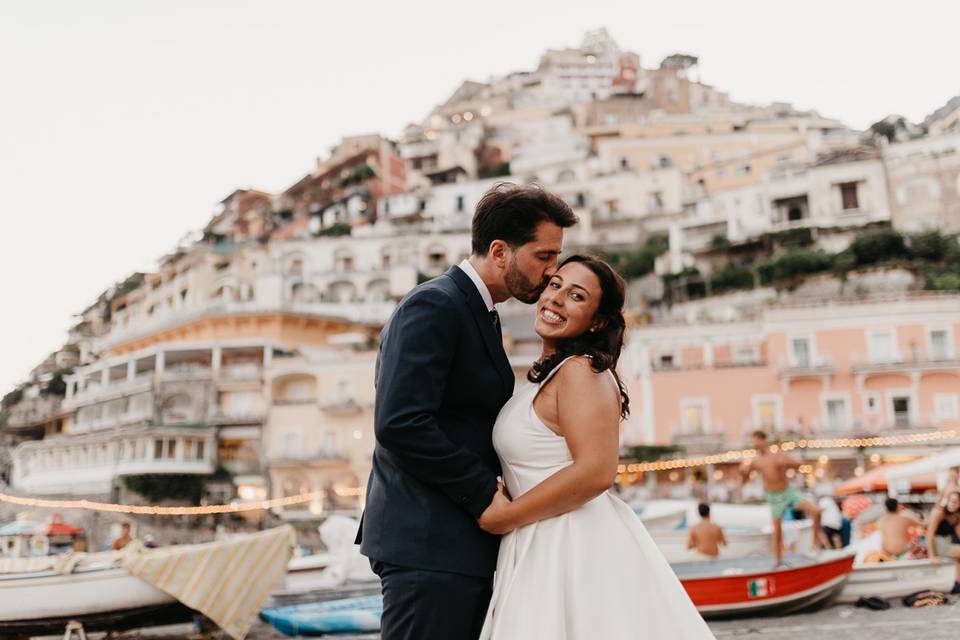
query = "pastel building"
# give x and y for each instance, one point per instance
(821, 369)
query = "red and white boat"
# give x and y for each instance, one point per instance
(750, 586)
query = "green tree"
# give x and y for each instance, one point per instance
(731, 277)
(931, 245)
(881, 245)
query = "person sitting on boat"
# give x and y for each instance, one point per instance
(123, 539)
(705, 537)
(952, 484)
(942, 538)
(773, 467)
(895, 529)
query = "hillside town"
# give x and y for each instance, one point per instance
(786, 273)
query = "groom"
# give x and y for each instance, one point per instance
(442, 377)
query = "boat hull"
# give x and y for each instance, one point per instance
(897, 579)
(84, 592)
(351, 615)
(749, 592)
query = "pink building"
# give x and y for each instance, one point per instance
(827, 369)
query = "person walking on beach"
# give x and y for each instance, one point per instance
(705, 537)
(781, 495)
(441, 378)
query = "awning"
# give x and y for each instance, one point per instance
(905, 476)
(877, 480)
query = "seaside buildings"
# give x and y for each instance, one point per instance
(245, 359)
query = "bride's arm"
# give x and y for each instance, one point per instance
(588, 407)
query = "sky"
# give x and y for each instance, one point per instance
(123, 123)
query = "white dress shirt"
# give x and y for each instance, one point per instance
(478, 282)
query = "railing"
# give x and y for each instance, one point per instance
(815, 366)
(915, 360)
(241, 372)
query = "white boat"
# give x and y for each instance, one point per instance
(897, 579)
(798, 538)
(661, 516)
(102, 596)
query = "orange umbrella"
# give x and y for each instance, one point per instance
(876, 480)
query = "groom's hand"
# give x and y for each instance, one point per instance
(497, 517)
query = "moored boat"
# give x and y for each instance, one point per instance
(751, 586)
(351, 615)
(102, 597)
(897, 579)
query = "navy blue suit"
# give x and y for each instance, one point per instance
(442, 377)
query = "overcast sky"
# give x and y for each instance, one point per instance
(122, 123)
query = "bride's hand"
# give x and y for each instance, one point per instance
(496, 518)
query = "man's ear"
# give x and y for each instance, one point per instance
(499, 253)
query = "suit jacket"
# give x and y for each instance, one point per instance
(441, 379)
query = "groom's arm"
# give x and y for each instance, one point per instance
(415, 362)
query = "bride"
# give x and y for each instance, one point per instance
(575, 562)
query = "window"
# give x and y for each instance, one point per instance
(694, 415)
(459, 203)
(171, 448)
(157, 449)
(848, 196)
(766, 412)
(801, 352)
(871, 403)
(882, 347)
(901, 409)
(940, 347)
(836, 414)
(667, 360)
(745, 354)
(945, 406)
(656, 201)
(201, 445)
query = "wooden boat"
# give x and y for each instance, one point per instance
(351, 615)
(897, 579)
(750, 586)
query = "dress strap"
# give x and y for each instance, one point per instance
(557, 368)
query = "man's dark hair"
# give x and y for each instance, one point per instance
(891, 504)
(511, 213)
(704, 510)
(759, 434)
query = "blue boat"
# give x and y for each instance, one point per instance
(351, 615)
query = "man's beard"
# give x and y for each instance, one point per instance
(520, 287)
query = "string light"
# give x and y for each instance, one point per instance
(154, 510)
(739, 455)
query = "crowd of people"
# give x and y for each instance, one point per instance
(903, 532)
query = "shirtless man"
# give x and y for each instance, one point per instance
(894, 530)
(705, 537)
(781, 496)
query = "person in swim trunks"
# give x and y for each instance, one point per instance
(772, 467)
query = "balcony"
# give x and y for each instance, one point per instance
(701, 442)
(340, 407)
(241, 372)
(916, 361)
(186, 372)
(225, 417)
(321, 456)
(817, 367)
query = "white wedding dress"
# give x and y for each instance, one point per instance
(591, 574)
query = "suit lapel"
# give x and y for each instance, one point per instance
(481, 316)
